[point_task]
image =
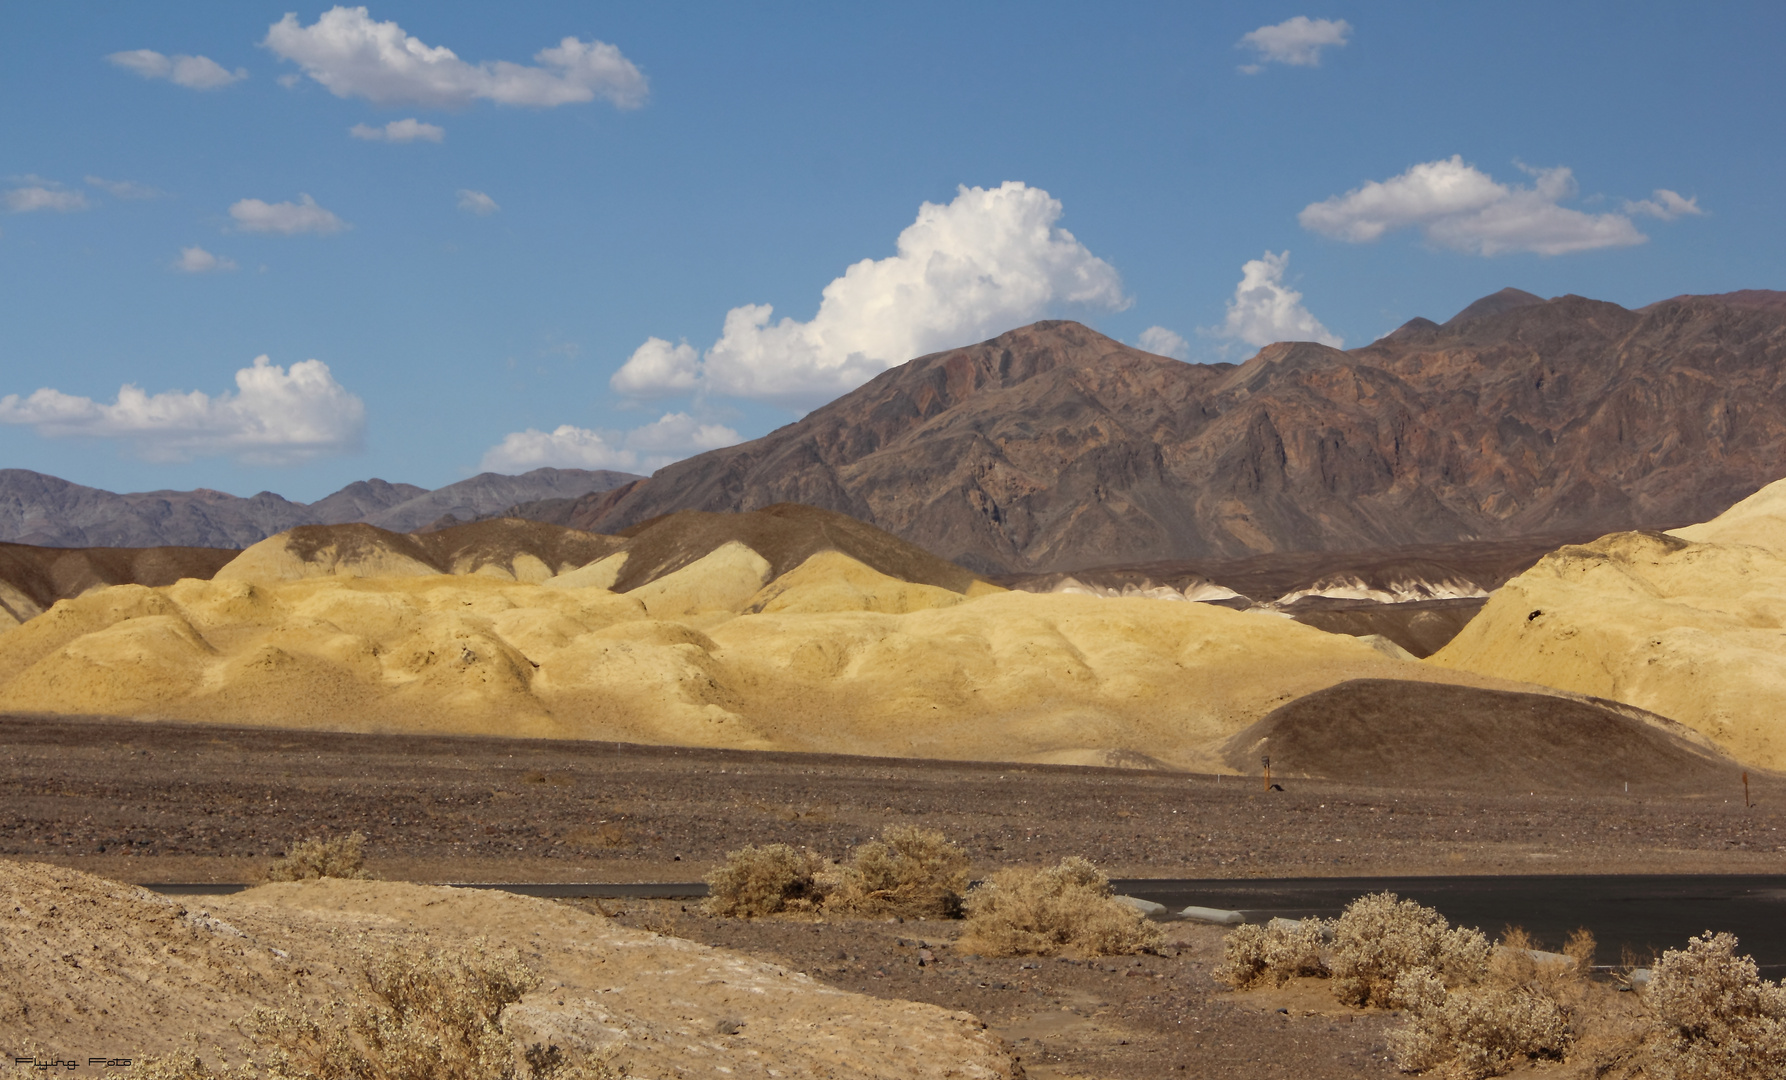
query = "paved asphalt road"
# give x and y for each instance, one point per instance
(1649, 913)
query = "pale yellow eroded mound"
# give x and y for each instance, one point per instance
(841, 658)
(114, 970)
(1690, 625)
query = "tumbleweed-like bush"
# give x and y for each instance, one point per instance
(1719, 1019)
(427, 1016)
(1029, 912)
(1379, 937)
(1519, 1010)
(755, 881)
(909, 871)
(1278, 951)
(334, 857)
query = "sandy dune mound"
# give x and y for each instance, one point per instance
(506, 548)
(135, 972)
(1691, 625)
(832, 581)
(785, 535)
(1460, 738)
(819, 660)
(33, 578)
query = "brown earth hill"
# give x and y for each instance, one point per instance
(1052, 447)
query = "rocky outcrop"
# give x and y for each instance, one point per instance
(1053, 447)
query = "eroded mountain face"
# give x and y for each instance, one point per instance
(1053, 447)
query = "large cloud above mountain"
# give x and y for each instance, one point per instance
(990, 259)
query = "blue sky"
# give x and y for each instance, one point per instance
(502, 268)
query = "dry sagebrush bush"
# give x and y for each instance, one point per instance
(433, 1016)
(1379, 937)
(1719, 1019)
(1278, 951)
(1042, 912)
(764, 880)
(1478, 1031)
(337, 857)
(1519, 1010)
(909, 871)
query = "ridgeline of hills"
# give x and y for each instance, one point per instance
(1052, 447)
(45, 511)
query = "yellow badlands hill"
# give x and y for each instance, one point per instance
(1690, 624)
(831, 655)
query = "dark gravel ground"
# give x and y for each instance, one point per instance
(167, 802)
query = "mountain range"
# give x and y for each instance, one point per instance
(1053, 447)
(47, 511)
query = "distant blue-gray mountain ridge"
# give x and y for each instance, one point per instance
(48, 511)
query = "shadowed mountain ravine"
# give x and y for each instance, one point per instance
(1052, 447)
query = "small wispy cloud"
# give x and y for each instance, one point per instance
(476, 202)
(399, 131)
(1666, 205)
(1297, 42)
(285, 218)
(36, 193)
(196, 260)
(124, 189)
(192, 72)
(353, 56)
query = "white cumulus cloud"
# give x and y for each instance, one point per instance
(353, 56)
(1458, 206)
(1297, 42)
(657, 369)
(399, 131)
(1666, 205)
(285, 218)
(274, 417)
(1158, 339)
(991, 259)
(476, 202)
(1265, 310)
(196, 260)
(41, 194)
(192, 72)
(671, 437)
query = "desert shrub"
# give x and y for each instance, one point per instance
(763, 880)
(1025, 912)
(1478, 1031)
(427, 1016)
(1720, 1020)
(336, 857)
(1379, 937)
(1278, 951)
(909, 871)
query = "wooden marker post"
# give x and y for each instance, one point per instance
(1746, 803)
(1266, 762)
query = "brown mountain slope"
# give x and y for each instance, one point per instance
(1053, 447)
(33, 578)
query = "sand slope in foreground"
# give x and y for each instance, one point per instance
(1690, 624)
(151, 970)
(839, 658)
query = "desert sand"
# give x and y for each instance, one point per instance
(356, 630)
(1690, 624)
(152, 971)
